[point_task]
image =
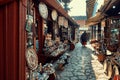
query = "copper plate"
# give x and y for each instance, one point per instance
(31, 58)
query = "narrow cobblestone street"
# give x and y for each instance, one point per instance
(82, 66)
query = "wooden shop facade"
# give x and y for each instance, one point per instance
(24, 24)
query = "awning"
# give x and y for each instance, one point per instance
(94, 20)
(105, 10)
(110, 11)
(99, 16)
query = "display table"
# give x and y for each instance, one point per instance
(56, 54)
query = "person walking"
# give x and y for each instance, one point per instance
(84, 38)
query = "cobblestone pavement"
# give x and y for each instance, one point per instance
(82, 66)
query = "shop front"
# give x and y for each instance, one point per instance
(109, 44)
(23, 36)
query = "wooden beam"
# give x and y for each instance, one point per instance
(22, 39)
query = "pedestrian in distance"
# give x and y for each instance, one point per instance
(84, 38)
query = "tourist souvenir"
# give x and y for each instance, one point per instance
(54, 15)
(32, 59)
(43, 10)
(105, 65)
(29, 22)
(61, 20)
(27, 74)
(30, 35)
(48, 68)
(116, 70)
(30, 39)
(109, 70)
(39, 68)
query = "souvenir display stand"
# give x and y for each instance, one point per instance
(41, 59)
(35, 69)
(108, 48)
(112, 41)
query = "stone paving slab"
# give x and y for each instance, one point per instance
(82, 66)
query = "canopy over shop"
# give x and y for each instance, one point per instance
(109, 9)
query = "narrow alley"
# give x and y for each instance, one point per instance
(82, 66)
(59, 39)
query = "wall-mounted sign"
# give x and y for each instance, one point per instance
(43, 10)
